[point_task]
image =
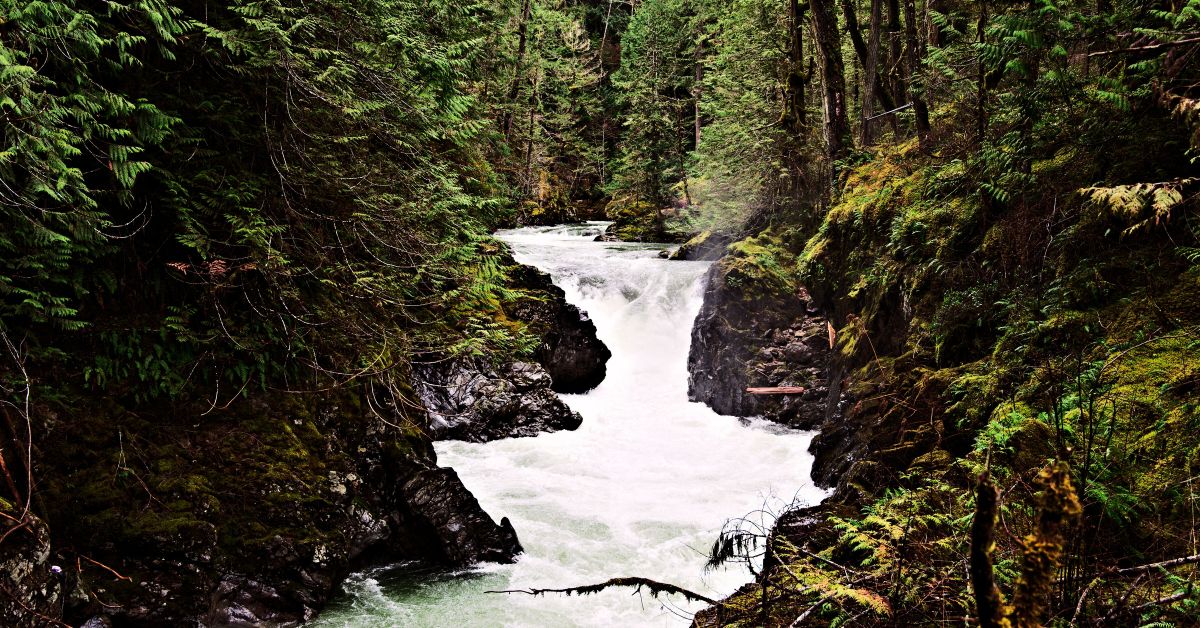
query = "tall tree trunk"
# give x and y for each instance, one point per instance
(915, 57)
(522, 39)
(894, 61)
(989, 603)
(794, 117)
(533, 107)
(981, 88)
(877, 82)
(833, 81)
(698, 68)
(937, 37)
(874, 86)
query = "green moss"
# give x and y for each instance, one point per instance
(759, 266)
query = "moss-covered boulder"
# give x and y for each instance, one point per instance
(32, 587)
(706, 246)
(636, 220)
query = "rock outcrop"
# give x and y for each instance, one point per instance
(570, 351)
(747, 336)
(32, 589)
(706, 246)
(470, 399)
(253, 515)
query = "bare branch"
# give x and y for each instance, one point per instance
(655, 588)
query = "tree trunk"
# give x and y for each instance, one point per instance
(894, 62)
(794, 118)
(874, 86)
(698, 67)
(522, 38)
(981, 86)
(915, 57)
(937, 37)
(872, 63)
(989, 604)
(833, 81)
(533, 107)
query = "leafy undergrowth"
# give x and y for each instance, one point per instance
(987, 337)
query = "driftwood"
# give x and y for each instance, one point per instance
(776, 390)
(653, 586)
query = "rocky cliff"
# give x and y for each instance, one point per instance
(569, 350)
(252, 515)
(470, 399)
(758, 328)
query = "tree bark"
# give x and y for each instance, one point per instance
(981, 88)
(698, 63)
(989, 604)
(894, 62)
(522, 42)
(795, 116)
(915, 57)
(874, 87)
(833, 82)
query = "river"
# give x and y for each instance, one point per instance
(640, 489)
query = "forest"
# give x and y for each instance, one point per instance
(241, 241)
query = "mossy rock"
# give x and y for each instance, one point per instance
(639, 221)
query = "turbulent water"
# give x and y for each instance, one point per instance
(641, 489)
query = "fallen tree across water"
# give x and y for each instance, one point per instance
(655, 588)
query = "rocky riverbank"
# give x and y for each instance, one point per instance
(252, 514)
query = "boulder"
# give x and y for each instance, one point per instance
(747, 336)
(570, 351)
(705, 246)
(31, 587)
(254, 515)
(473, 400)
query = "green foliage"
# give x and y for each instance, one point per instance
(656, 79)
(307, 190)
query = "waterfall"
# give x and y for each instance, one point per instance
(640, 489)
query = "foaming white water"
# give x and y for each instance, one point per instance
(641, 488)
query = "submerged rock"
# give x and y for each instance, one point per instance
(470, 399)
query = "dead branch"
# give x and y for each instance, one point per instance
(800, 620)
(655, 588)
(103, 566)
(1174, 562)
(1147, 48)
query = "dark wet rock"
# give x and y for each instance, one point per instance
(607, 236)
(466, 533)
(253, 515)
(747, 336)
(470, 399)
(570, 351)
(30, 588)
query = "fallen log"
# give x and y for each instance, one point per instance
(653, 586)
(776, 390)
